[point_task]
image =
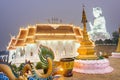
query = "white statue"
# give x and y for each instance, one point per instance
(98, 29)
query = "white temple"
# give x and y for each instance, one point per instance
(98, 28)
(61, 38)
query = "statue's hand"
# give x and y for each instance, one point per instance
(91, 26)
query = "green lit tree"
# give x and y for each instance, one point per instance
(100, 41)
(108, 41)
(115, 36)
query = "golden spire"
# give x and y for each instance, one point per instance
(118, 46)
(119, 30)
(84, 19)
(86, 49)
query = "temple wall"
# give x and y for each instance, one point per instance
(105, 48)
(61, 49)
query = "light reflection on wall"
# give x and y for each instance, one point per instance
(61, 48)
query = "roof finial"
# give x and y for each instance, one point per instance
(11, 36)
(84, 19)
(54, 20)
(83, 5)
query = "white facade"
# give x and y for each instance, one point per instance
(61, 49)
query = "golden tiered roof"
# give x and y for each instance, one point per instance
(20, 38)
(30, 35)
(54, 32)
(47, 32)
(79, 33)
(11, 44)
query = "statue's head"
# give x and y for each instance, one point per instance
(97, 11)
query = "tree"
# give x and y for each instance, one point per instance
(108, 41)
(115, 36)
(100, 41)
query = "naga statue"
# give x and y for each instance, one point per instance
(11, 74)
(46, 56)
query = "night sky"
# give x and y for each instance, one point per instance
(17, 13)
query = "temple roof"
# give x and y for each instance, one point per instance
(21, 37)
(54, 28)
(31, 31)
(11, 44)
(54, 32)
(19, 43)
(31, 34)
(79, 33)
(22, 33)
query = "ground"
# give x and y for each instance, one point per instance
(115, 75)
(114, 63)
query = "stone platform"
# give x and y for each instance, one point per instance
(101, 66)
(115, 55)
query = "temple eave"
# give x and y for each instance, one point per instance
(11, 48)
(50, 37)
(54, 31)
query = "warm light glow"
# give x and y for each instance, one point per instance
(67, 48)
(62, 34)
(61, 69)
